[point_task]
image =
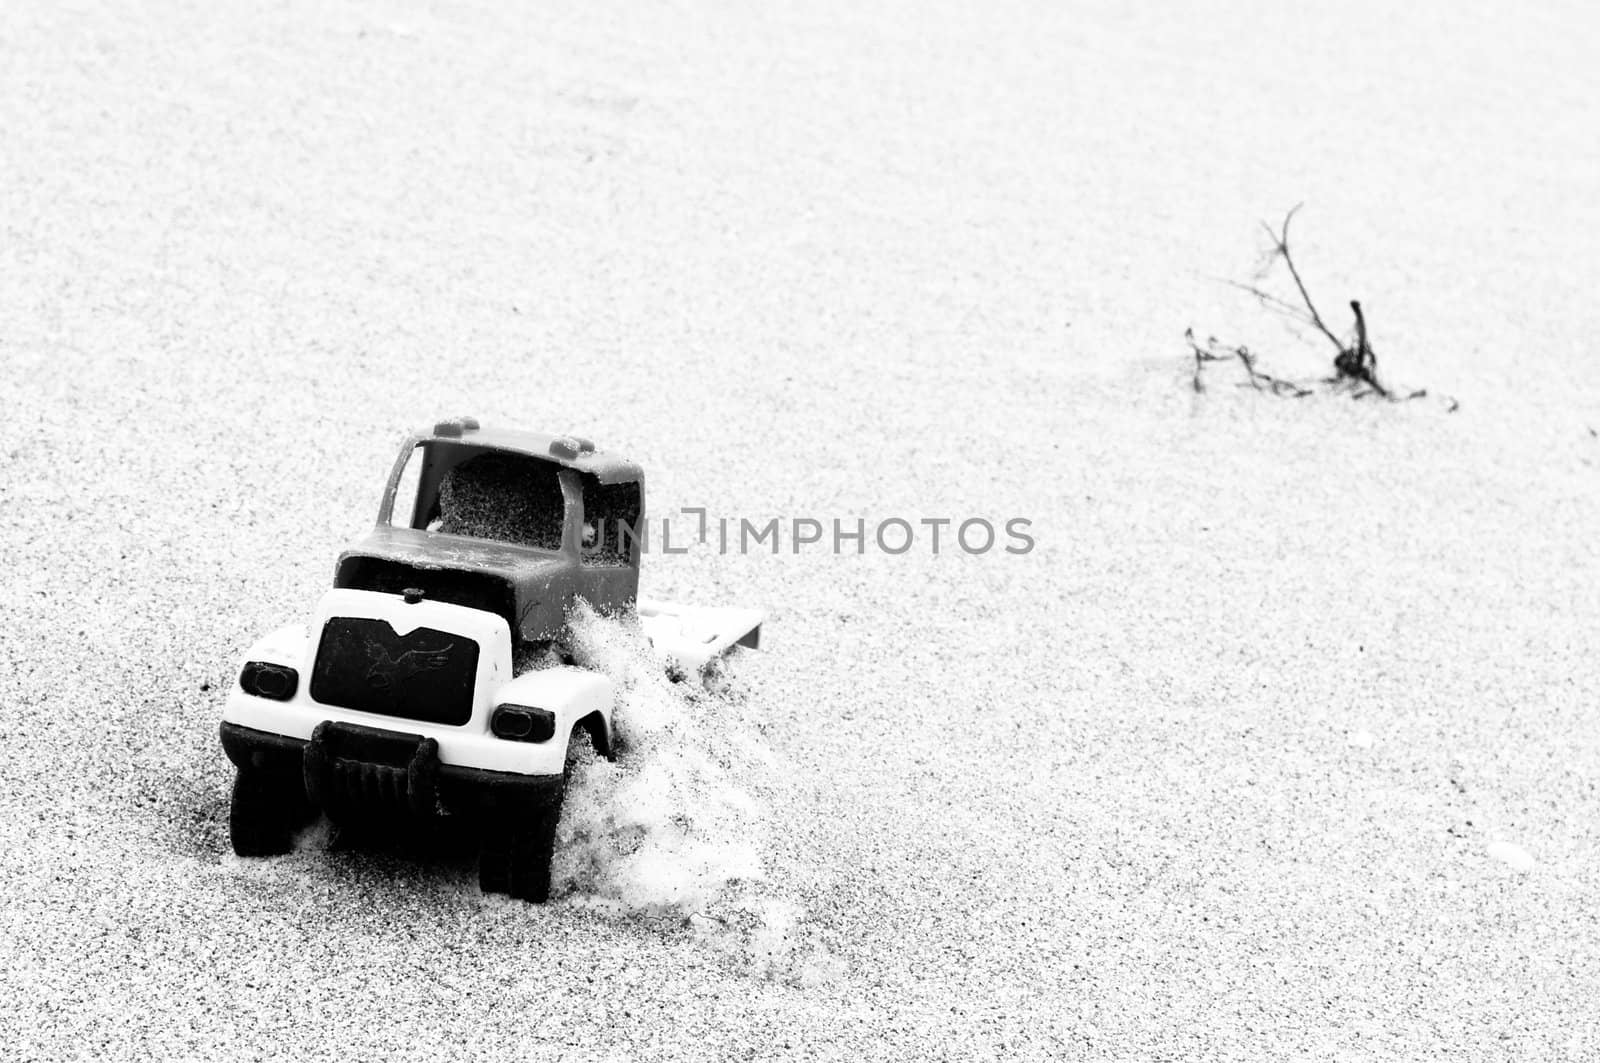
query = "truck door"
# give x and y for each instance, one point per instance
(609, 542)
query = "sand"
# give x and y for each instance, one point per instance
(1283, 741)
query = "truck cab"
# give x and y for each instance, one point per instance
(512, 522)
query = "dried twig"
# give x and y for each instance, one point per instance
(1355, 364)
(1280, 249)
(1213, 351)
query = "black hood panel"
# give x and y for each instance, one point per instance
(486, 591)
(425, 674)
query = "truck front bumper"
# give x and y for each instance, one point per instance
(346, 766)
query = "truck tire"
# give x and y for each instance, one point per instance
(515, 857)
(268, 808)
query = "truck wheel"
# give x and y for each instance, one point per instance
(515, 858)
(267, 810)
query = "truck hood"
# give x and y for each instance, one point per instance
(423, 549)
(502, 578)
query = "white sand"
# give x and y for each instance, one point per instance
(1284, 743)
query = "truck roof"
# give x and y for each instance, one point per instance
(568, 451)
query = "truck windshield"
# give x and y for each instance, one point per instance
(508, 498)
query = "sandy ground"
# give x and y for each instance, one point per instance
(1283, 743)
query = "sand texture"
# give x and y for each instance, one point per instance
(1283, 742)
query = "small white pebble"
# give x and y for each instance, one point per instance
(1514, 856)
(1362, 739)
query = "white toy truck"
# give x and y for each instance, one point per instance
(424, 685)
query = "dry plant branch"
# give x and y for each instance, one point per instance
(1355, 365)
(1214, 351)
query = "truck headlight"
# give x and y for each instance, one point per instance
(523, 723)
(265, 680)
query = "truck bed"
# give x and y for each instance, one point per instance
(691, 635)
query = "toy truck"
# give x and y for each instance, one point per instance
(431, 680)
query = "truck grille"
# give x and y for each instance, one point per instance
(363, 664)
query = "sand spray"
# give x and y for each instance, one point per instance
(670, 829)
